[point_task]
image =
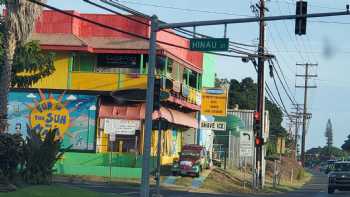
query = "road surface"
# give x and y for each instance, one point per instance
(316, 188)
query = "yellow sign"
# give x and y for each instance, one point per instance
(214, 101)
(49, 114)
(281, 145)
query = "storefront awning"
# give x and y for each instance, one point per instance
(137, 112)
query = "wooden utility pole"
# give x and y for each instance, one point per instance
(306, 86)
(261, 93)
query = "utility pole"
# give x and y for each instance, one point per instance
(296, 115)
(306, 86)
(261, 93)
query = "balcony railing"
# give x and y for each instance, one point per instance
(114, 81)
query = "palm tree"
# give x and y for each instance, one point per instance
(19, 22)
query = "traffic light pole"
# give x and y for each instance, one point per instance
(144, 189)
(261, 95)
(156, 26)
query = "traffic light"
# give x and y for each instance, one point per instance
(257, 122)
(259, 141)
(300, 22)
(156, 95)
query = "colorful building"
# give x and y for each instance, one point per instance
(92, 62)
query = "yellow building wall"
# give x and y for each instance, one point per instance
(59, 79)
(132, 81)
(94, 81)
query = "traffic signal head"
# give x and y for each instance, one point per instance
(257, 124)
(156, 95)
(300, 22)
(259, 141)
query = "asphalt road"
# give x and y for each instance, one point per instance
(316, 188)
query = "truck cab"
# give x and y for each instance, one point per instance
(192, 160)
(339, 177)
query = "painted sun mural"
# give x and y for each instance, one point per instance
(72, 114)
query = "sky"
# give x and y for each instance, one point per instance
(325, 44)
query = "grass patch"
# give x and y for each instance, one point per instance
(54, 191)
(287, 186)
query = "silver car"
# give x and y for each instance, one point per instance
(339, 177)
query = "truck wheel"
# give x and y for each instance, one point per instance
(197, 174)
(331, 190)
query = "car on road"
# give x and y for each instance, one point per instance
(193, 159)
(339, 177)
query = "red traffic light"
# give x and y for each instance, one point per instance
(259, 141)
(257, 116)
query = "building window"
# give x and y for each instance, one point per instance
(193, 79)
(116, 63)
(83, 62)
(185, 79)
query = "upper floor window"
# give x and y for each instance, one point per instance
(119, 63)
(84, 62)
(193, 79)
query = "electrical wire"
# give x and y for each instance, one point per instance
(279, 95)
(292, 2)
(269, 92)
(181, 30)
(110, 27)
(289, 92)
(183, 9)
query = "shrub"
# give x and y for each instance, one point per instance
(11, 156)
(40, 156)
(301, 174)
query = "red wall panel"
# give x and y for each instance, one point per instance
(55, 22)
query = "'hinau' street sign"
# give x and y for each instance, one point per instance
(209, 44)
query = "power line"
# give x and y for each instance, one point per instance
(269, 92)
(292, 2)
(285, 81)
(184, 9)
(329, 22)
(181, 30)
(279, 95)
(110, 27)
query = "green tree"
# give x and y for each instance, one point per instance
(346, 145)
(17, 55)
(329, 136)
(244, 94)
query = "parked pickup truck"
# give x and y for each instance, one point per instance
(339, 177)
(193, 159)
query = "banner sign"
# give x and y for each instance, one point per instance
(218, 126)
(214, 101)
(121, 127)
(246, 144)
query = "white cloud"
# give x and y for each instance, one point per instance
(71, 98)
(31, 95)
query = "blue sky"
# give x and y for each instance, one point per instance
(325, 44)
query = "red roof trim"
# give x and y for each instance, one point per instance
(184, 103)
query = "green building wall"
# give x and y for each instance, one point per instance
(117, 165)
(208, 77)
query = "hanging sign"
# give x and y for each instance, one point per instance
(121, 127)
(214, 101)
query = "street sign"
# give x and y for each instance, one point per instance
(246, 144)
(209, 44)
(218, 126)
(214, 101)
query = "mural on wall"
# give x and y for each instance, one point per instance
(72, 114)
